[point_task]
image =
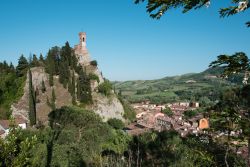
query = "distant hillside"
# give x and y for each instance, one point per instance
(184, 87)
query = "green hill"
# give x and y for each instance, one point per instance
(193, 86)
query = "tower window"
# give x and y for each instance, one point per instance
(83, 39)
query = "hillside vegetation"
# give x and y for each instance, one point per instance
(194, 86)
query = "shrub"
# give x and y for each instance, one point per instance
(93, 63)
(94, 77)
(190, 113)
(116, 123)
(105, 88)
(168, 111)
(129, 112)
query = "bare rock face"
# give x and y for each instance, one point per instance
(107, 107)
(63, 97)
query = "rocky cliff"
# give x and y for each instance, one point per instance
(106, 107)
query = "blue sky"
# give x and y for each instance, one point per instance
(121, 36)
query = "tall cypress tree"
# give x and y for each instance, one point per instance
(53, 99)
(51, 79)
(32, 101)
(84, 88)
(73, 89)
(78, 89)
(43, 88)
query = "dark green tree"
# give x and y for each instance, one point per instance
(43, 88)
(52, 103)
(73, 89)
(53, 95)
(93, 63)
(41, 58)
(22, 66)
(34, 62)
(116, 123)
(236, 64)
(15, 149)
(51, 79)
(66, 54)
(105, 88)
(52, 60)
(84, 88)
(12, 68)
(226, 116)
(74, 62)
(32, 102)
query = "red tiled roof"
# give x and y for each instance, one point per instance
(5, 123)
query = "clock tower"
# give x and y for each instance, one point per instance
(81, 50)
(82, 36)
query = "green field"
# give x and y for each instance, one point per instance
(176, 88)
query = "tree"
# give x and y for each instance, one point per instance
(52, 60)
(22, 66)
(93, 63)
(41, 59)
(51, 79)
(235, 64)
(66, 54)
(116, 123)
(15, 150)
(32, 101)
(34, 62)
(84, 88)
(52, 103)
(105, 88)
(43, 88)
(73, 89)
(168, 111)
(227, 116)
(77, 134)
(156, 8)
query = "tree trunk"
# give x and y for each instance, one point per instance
(248, 156)
(225, 157)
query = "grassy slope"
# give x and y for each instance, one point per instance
(165, 89)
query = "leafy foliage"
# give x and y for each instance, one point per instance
(84, 89)
(116, 123)
(167, 111)
(11, 88)
(129, 112)
(77, 134)
(93, 63)
(94, 77)
(22, 66)
(236, 63)
(105, 88)
(15, 151)
(157, 8)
